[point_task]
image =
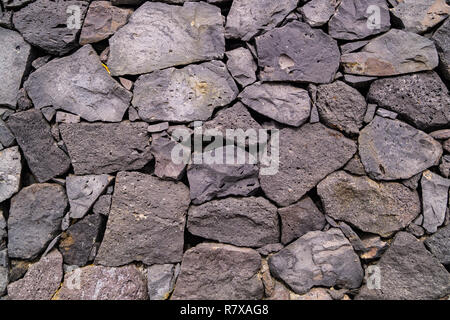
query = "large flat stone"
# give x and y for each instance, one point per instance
(441, 39)
(438, 245)
(10, 172)
(434, 200)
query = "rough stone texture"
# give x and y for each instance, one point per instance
(14, 57)
(392, 150)
(420, 98)
(3, 232)
(184, 95)
(35, 219)
(106, 147)
(441, 39)
(41, 280)
(318, 259)
(295, 52)
(393, 53)
(409, 272)
(165, 167)
(66, 117)
(374, 207)
(102, 205)
(81, 85)
(103, 283)
(146, 221)
(307, 155)
(434, 199)
(242, 66)
(444, 167)
(438, 245)
(163, 126)
(219, 272)
(161, 280)
(281, 102)
(341, 107)
(44, 23)
(4, 271)
(246, 222)
(248, 18)
(299, 219)
(10, 172)
(317, 12)
(159, 36)
(355, 166)
(102, 20)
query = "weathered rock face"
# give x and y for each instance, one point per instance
(161, 280)
(374, 207)
(146, 221)
(307, 155)
(242, 66)
(295, 52)
(248, 18)
(219, 272)
(421, 98)
(159, 36)
(393, 53)
(247, 222)
(281, 102)
(10, 172)
(318, 259)
(409, 272)
(3, 232)
(438, 245)
(441, 39)
(165, 167)
(103, 283)
(102, 205)
(6, 137)
(435, 199)
(184, 95)
(34, 219)
(106, 147)
(392, 150)
(41, 281)
(81, 85)
(4, 271)
(317, 12)
(45, 159)
(51, 25)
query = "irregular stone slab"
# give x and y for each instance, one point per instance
(106, 147)
(281, 102)
(393, 53)
(161, 280)
(434, 199)
(438, 245)
(318, 259)
(371, 206)
(103, 283)
(358, 81)
(246, 222)
(66, 117)
(15, 56)
(248, 18)
(146, 221)
(441, 134)
(35, 219)
(159, 36)
(83, 191)
(102, 20)
(441, 39)
(102, 205)
(355, 166)
(299, 219)
(81, 85)
(4, 271)
(387, 114)
(3, 232)
(392, 150)
(10, 172)
(421, 98)
(41, 280)
(355, 19)
(184, 95)
(45, 159)
(242, 66)
(409, 272)
(165, 167)
(317, 12)
(444, 167)
(419, 16)
(353, 46)
(219, 272)
(341, 107)
(295, 52)
(307, 155)
(163, 126)
(44, 23)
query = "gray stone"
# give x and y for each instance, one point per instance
(41, 61)
(446, 145)
(161, 280)
(6, 18)
(358, 81)
(441, 39)
(103, 283)
(4, 271)
(299, 219)
(247, 18)
(295, 52)
(159, 36)
(314, 117)
(373, 247)
(393, 53)
(102, 205)
(412, 183)
(165, 167)
(246, 222)
(355, 166)
(66, 117)
(387, 114)
(15, 56)
(106, 147)
(219, 272)
(242, 66)
(281, 102)
(79, 84)
(392, 150)
(10, 172)
(146, 222)
(420, 98)
(444, 167)
(370, 113)
(438, 245)
(375, 207)
(3, 232)
(184, 95)
(270, 248)
(409, 272)
(318, 259)
(158, 127)
(353, 46)
(317, 12)
(15, 4)
(434, 199)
